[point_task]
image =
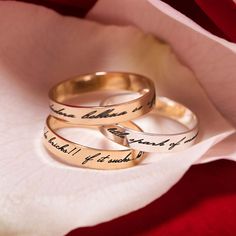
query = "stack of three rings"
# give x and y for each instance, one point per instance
(114, 121)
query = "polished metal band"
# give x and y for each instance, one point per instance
(125, 134)
(104, 114)
(82, 156)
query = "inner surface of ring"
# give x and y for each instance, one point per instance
(176, 111)
(57, 124)
(99, 81)
(167, 108)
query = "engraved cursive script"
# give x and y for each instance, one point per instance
(71, 151)
(118, 133)
(61, 112)
(105, 114)
(142, 141)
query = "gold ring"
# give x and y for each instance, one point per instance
(103, 114)
(82, 156)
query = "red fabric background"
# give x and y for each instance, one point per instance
(204, 201)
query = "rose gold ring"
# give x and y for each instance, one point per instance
(103, 114)
(82, 156)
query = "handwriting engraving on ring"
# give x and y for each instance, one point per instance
(61, 112)
(142, 141)
(75, 152)
(105, 114)
(137, 108)
(179, 142)
(109, 113)
(172, 145)
(118, 133)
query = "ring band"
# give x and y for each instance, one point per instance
(151, 142)
(106, 114)
(78, 155)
